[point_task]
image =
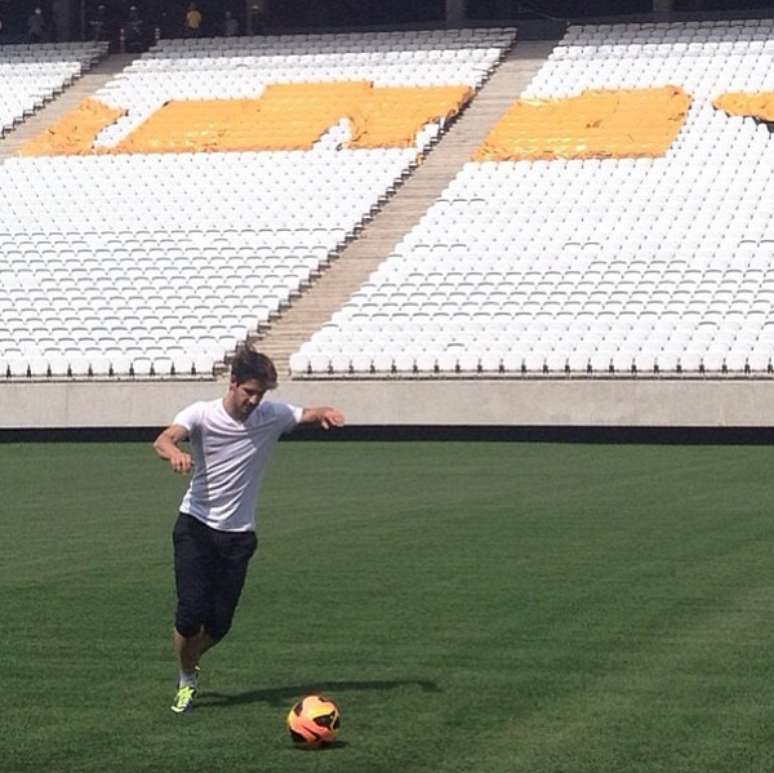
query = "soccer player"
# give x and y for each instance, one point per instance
(214, 536)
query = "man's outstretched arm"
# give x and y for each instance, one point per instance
(166, 448)
(323, 415)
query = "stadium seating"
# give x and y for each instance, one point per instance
(185, 279)
(242, 67)
(596, 265)
(159, 264)
(33, 74)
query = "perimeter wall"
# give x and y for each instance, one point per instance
(509, 403)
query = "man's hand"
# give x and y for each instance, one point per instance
(325, 416)
(330, 417)
(181, 462)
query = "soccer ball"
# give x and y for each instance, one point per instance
(314, 721)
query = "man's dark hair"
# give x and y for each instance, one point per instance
(248, 364)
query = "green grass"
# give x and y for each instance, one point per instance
(492, 608)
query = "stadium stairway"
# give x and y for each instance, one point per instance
(403, 210)
(84, 87)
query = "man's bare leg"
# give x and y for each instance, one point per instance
(189, 649)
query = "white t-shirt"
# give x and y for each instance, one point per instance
(230, 458)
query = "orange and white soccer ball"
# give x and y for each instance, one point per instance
(313, 721)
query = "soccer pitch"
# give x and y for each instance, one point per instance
(471, 607)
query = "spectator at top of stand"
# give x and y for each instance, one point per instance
(230, 25)
(134, 33)
(36, 27)
(258, 17)
(99, 24)
(193, 21)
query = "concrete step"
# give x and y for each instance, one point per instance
(52, 111)
(403, 210)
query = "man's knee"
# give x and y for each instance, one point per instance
(188, 623)
(217, 629)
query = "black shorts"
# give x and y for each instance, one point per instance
(210, 570)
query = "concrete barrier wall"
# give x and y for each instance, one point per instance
(588, 403)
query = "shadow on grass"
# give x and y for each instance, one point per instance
(278, 697)
(324, 748)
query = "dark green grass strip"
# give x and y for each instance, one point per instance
(472, 607)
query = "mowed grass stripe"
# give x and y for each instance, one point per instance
(472, 607)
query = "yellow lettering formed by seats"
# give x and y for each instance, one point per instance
(596, 124)
(288, 116)
(738, 103)
(75, 132)
(291, 116)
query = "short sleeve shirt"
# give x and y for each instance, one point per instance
(230, 458)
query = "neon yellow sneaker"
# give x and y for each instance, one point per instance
(183, 700)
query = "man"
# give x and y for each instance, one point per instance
(230, 25)
(258, 17)
(134, 35)
(99, 24)
(214, 536)
(193, 21)
(36, 27)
